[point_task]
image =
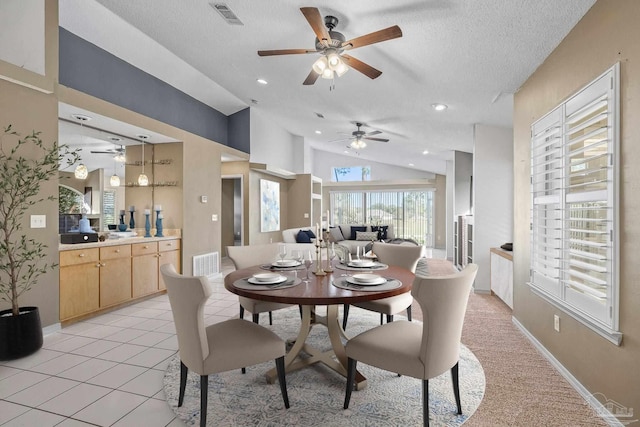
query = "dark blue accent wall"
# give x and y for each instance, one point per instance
(240, 130)
(89, 69)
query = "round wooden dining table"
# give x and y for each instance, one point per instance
(319, 291)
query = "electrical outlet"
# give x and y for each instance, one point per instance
(38, 221)
(556, 322)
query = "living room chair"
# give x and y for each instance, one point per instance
(405, 256)
(248, 256)
(220, 347)
(419, 350)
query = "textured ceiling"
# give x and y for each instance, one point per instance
(471, 55)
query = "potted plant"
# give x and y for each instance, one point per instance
(24, 164)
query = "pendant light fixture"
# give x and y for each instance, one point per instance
(143, 180)
(115, 179)
(81, 171)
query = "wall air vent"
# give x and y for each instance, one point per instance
(226, 13)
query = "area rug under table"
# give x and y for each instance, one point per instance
(316, 394)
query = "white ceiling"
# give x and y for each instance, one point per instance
(471, 55)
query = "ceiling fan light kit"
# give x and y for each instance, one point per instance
(331, 45)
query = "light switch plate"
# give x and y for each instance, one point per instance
(306, 215)
(38, 221)
(203, 199)
(214, 217)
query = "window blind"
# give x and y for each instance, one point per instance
(573, 205)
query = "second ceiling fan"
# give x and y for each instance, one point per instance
(332, 46)
(358, 137)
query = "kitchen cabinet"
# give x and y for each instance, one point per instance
(79, 282)
(115, 275)
(103, 275)
(502, 275)
(144, 265)
(168, 253)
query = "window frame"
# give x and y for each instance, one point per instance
(574, 220)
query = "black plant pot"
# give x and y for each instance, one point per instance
(20, 335)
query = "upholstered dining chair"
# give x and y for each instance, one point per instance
(405, 256)
(248, 256)
(220, 347)
(419, 350)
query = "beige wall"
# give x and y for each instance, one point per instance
(440, 214)
(608, 33)
(28, 110)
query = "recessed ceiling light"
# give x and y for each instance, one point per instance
(81, 117)
(425, 152)
(411, 164)
(439, 107)
(262, 81)
(346, 151)
(319, 132)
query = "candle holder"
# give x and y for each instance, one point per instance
(158, 224)
(147, 225)
(132, 222)
(319, 271)
(329, 267)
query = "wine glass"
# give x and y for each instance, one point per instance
(282, 252)
(297, 256)
(307, 262)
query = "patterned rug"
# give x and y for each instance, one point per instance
(316, 394)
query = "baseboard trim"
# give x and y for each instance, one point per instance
(606, 416)
(51, 329)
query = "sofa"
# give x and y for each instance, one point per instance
(350, 236)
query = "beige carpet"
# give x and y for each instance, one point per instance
(522, 388)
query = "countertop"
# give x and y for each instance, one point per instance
(114, 242)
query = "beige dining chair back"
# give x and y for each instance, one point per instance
(419, 350)
(220, 347)
(403, 255)
(248, 256)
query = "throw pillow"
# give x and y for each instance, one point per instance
(366, 235)
(355, 229)
(303, 237)
(310, 233)
(335, 235)
(382, 231)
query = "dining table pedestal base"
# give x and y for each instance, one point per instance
(336, 358)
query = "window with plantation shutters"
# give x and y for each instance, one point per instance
(574, 171)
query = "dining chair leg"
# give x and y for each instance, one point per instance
(456, 387)
(425, 402)
(256, 318)
(351, 376)
(282, 380)
(243, 370)
(345, 316)
(270, 318)
(409, 313)
(204, 390)
(183, 382)
(241, 312)
(381, 318)
(389, 318)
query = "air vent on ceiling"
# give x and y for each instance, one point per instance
(226, 13)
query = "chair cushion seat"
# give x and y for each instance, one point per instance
(393, 347)
(391, 305)
(256, 306)
(237, 343)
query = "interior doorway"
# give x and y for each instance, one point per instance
(232, 233)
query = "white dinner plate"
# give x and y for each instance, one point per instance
(379, 281)
(286, 263)
(266, 277)
(365, 278)
(361, 263)
(253, 281)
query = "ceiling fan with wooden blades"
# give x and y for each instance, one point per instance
(358, 137)
(332, 45)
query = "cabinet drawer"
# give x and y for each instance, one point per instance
(144, 248)
(114, 252)
(79, 256)
(168, 245)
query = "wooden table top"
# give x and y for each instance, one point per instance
(319, 290)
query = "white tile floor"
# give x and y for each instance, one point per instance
(104, 371)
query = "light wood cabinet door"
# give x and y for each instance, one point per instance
(144, 274)
(115, 281)
(79, 289)
(170, 257)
